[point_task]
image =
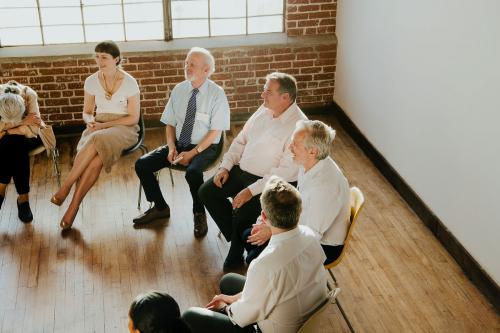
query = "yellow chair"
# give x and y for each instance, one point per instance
(357, 202)
(312, 324)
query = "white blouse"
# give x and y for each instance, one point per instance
(118, 102)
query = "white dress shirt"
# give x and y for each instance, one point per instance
(261, 148)
(212, 109)
(325, 201)
(284, 284)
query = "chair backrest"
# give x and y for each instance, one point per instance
(312, 324)
(140, 138)
(357, 202)
(37, 150)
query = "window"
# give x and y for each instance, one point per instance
(42, 22)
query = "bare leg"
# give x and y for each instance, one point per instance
(85, 183)
(3, 187)
(23, 198)
(81, 163)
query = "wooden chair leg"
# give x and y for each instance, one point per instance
(171, 176)
(139, 196)
(344, 316)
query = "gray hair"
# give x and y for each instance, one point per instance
(209, 58)
(281, 203)
(318, 135)
(11, 108)
(287, 83)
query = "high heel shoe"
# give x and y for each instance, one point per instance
(65, 225)
(56, 201)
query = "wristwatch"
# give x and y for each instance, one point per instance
(198, 150)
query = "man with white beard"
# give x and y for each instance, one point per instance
(196, 114)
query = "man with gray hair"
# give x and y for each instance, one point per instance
(323, 187)
(259, 151)
(196, 114)
(283, 285)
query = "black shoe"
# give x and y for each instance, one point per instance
(152, 214)
(200, 225)
(24, 212)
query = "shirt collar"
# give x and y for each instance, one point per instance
(201, 89)
(285, 115)
(279, 238)
(311, 173)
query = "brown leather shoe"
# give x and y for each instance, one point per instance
(200, 225)
(152, 214)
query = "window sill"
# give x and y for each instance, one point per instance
(159, 46)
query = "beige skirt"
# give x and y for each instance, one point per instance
(109, 142)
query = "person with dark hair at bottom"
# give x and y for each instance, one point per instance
(323, 188)
(284, 285)
(155, 312)
(114, 96)
(196, 114)
(259, 151)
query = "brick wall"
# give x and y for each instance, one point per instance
(310, 17)
(240, 71)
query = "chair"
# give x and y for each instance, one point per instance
(143, 148)
(312, 324)
(54, 154)
(221, 147)
(357, 202)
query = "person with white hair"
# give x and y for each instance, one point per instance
(196, 114)
(19, 124)
(323, 187)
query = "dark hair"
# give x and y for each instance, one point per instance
(156, 312)
(109, 47)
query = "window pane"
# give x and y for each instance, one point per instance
(104, 14)
(63, 34)
(97, 33)
(21, 36)
(265, 7)
(65, 15)
(49, 3)
(189, 28)
(189, 9)
(144, 12)
(18, 17)
(221, 27)
(265, 24)
(227, 8)
(144, 31)
(150, 1)
(18, 3)
(100, 2)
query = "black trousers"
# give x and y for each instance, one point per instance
(147, 165)
(206, 321)
(231, 222)
(15, 164)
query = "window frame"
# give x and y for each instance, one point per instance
(167, 22)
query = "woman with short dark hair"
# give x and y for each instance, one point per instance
(155, 312)
(113, 95)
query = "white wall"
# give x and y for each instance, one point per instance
(421, 80)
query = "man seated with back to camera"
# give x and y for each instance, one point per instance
(283, 286)
(324, 190)
(259, 151)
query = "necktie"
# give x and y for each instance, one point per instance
(187, 127)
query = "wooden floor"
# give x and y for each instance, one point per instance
(395, 278)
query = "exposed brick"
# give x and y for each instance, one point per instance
(142, 67)
(76, 101)
(56, 101)
(65, 63)
(41, 79)
(13, 65)
(55, 94)
(283, 57)
(86, 62)
(76, 70)
(51, 71)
